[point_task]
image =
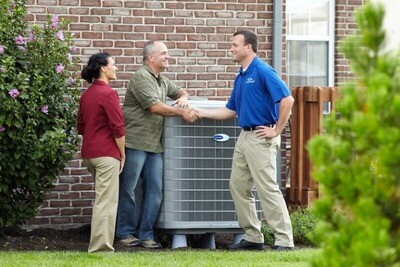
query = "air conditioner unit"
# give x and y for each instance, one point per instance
(197, 167)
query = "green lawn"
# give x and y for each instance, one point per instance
(192, 258)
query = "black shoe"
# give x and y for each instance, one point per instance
(246, 245)
(282, 248)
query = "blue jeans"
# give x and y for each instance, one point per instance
(148, 166)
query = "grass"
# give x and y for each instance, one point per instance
(197, 258)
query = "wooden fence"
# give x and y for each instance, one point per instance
(307, 113)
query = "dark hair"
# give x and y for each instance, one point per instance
(249, 38)
(148, 49)
(92, 69)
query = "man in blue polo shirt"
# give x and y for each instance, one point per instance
(262, 103)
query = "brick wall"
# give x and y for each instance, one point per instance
(345, 26)
(198, 35)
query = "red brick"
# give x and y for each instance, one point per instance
(70, 195)
(208, 76)
(186, 76)
(60, 187)
(91, 3)
(87, 195)
(82, 187)
(60, 220)
(49, 212)
(93, 35)
(71, 211)
(81, 203)
(81, 219)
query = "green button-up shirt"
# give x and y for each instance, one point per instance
(143, 128)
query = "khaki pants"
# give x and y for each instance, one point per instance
(254, 164)
(106, 173)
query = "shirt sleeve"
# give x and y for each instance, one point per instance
(232, 99)
(114, 113)
(172, 89)
(274, 84)
(144, 91)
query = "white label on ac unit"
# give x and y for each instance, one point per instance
(220, 137)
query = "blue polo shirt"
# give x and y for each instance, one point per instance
(256, 94)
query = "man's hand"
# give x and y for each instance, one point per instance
(266, 132)
(190, 115)
(181, 102)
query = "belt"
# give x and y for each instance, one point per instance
(253, 128)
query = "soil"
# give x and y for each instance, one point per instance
(77, 239)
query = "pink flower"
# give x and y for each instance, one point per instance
(31, 37)
(20, 40)
(54, 18)
(2, 128)
(1, 49)
(60, 35)
(45, 109)
(59, 68)
(72, 48)
(13, 93)
(71, 81)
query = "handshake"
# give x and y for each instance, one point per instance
(191, 114)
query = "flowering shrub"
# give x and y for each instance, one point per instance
(38, 106)
(357, 160)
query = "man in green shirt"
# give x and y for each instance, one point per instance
(144, 110)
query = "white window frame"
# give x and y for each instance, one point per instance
(322, 38)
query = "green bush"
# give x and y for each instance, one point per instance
(303, 223)
(39, 99)
(357, 161)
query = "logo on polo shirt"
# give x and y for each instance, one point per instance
(250, 80)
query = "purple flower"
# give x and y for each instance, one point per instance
(2, 128)
(54, 22)
(54, 18)
(59, 68)
(1, 49)
(60, 35)
(45, 109)
(20, 40)
(72, 48)
(31, 37)
(71, 81)
(13, 93)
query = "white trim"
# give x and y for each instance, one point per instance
(331, 44)
(308, 38)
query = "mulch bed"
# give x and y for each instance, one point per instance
(77, 239)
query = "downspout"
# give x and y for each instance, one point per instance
(277, 63)
(277, 37)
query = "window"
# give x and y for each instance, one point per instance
(310, 43)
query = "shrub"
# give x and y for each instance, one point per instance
(303, 223)
(38, 97)
(357, 161)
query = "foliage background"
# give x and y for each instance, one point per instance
(39, 101)
(357, 161)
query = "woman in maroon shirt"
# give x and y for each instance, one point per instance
(101, 123)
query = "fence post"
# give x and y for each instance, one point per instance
(307, 115)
